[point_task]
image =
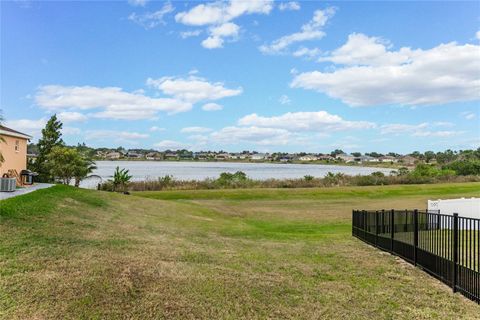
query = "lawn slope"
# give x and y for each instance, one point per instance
(263, 253)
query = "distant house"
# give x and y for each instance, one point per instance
(153, 156)
(408, 160)
(14, 150)
(367, 159)
(171, 156)
(222, 156)
(346, 157)
(133, 155)
(388, 159)
(325, 157)
(308, 157)
(201, 156)
(259, 156)
(113, 155)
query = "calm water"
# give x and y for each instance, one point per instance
(142, 170)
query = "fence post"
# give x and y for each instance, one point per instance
(392, 228)
(383, 221)
(376, 228)
(455, 252)
(353, 222)
(415, 235)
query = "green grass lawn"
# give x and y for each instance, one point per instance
(68, 253)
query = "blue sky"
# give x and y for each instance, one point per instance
(245, 75)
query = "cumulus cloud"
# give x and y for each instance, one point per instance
(372, 75)
(112, 134)
(150, 20)
(419, 130)
(188, 34)
(171, 144)
(28, 126)
(289, 6)
(71, 117)
(114, 102)
(306, 52)
(195, 130)
(156, 129)
(309, 31)
(218, 16)
(255, 135)
(305, 121)
(212, 107)
(218, 33)
(193, 89)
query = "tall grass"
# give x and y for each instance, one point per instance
(331, 180)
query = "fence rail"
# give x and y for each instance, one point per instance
(445, 246)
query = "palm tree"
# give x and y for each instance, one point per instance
(121, 178)
(83, 169)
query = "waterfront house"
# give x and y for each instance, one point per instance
(153, 156)
(388, 159)
(13, 147)
(171, 156)
(346, 157)
(259, 156)
(113, 155)
(308, 157)
(222, 156)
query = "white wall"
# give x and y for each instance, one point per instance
(465, 207)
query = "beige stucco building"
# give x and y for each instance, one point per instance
(13, 149)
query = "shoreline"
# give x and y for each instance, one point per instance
(380, 165)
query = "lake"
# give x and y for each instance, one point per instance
(143, 170)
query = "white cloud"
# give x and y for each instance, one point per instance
(255, 135)
(292, 5)
(218, 15)
(468, 115)
(373, 51)
(195, 130)
(212, 107)
(30, 127)
(150, 20)
(306, 52)
(441, 134)
(284, 99)
(310, 31)
(373, 76)
(188, 34)
(397, 128)
(477, 35)
(156, 129)
(66, 117)
(218, 33)
(114, 102)
(221, 12)
(71, 130)
(138, 3)
(112, 134)
(305, 121)
(170, 144)
(419, 130)
(192, 89)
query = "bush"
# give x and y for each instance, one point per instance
(464, 167)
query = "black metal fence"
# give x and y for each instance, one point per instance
(446, 246)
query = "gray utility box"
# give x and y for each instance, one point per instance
(8, 184)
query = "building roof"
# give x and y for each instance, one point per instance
(13, 133)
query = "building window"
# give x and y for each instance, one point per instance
(17, 146)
